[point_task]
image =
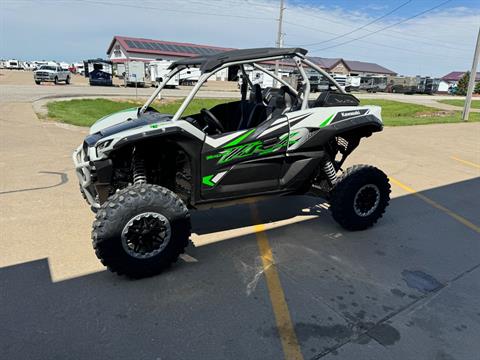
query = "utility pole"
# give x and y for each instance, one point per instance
(471, 82)
(279, 42)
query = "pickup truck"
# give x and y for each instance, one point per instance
(51, 73)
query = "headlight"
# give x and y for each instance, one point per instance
(103, 145)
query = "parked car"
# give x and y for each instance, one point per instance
(52, 74)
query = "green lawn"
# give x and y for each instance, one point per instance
(84, 112)
(458, 102)
(397, 113)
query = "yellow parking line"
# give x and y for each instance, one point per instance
(291, 348)
(436, 205)
(469, 163)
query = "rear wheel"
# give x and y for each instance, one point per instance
(141, 230)
(360, 197)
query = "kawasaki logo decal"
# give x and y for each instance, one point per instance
(350, 113)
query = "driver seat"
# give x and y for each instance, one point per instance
(255, 110)
(280, 103)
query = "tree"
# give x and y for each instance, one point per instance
(462, 84)
(477, 88)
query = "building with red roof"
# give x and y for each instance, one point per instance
(123, 49)
(455, 76)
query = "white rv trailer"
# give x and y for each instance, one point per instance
(259, 77)
(341, 80)
(64, 65)
(353, 83)
(79, 68)
(189, 76)
(159, 71)
(28, 65)
(13, 64)
(135, 73)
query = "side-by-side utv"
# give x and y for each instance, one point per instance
(143, 171)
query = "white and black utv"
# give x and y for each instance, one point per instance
(142, 171)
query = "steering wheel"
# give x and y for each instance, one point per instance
(212, 120)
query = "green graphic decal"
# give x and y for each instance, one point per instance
(207, 180)
(154, 126)
(251, 149)
(327, 121)
(239, 139)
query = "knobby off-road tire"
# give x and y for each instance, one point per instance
(125, 215)
(360, 197)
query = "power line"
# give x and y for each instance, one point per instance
(404, 35)
(366, 41)
(97, 2)
(388, 27)
(361, 27)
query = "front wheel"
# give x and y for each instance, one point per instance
(360, 197)
(55, 81)
(141, 230)
(67, 80)
(38, 82)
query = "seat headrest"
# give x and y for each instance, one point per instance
(256, 94)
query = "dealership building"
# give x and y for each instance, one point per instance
(123, 49)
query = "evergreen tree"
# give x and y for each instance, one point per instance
(477, 88)
(462, 84)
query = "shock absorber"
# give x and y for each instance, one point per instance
(139, 173)
(330, 172)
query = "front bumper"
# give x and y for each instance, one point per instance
(83, 170)
(44, 77)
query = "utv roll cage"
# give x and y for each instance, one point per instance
(209, 65)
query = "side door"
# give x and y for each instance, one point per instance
(244, 162)
(61, 74)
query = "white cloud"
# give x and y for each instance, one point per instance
(434, 44)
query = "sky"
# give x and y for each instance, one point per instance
(406, 36)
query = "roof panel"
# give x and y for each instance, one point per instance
(137, 44)
(130, 43)
(174, 48)
(150, 45)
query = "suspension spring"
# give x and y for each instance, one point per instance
(330, 172)
(139, 174)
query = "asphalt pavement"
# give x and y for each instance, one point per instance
(271, 280)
